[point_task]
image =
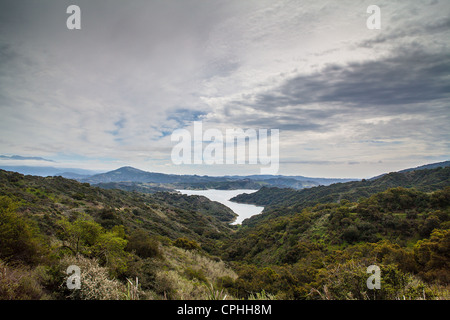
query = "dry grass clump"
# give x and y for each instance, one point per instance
(171, 285)
(188, 275)
(20, 283)
(181, 259)
(95, 282)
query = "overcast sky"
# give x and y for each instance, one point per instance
(348, 101)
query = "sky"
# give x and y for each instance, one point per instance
(348, 101)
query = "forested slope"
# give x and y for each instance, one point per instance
(309, 244)
(286, 201)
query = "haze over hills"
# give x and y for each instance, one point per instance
(45, 171)
(133, 179)
(130, 174)
(129, 178)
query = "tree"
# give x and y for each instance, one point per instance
(110, 248)
(433, 256)
(19, 237)
(86, 237)
(80, 235)
(351, 234)
(431, 223)
(141, 243)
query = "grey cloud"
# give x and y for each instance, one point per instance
(411, 82)
(16, 157)
(325, 162)
(282, 123)
(139, 69)
(414, 30)
(410, 77)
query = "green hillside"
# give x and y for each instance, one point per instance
(322, 251)
(47, 199)
(287, 201)
(49, 223)
(311, 244)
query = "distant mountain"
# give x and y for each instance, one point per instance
(426, 166)
(130, 174)
(134, 186)
(69, 173)
(136, 179)
(16, 157)
(283, 179)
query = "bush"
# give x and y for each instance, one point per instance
(19, 237)
(171, 285)
(19, 284)
(193, 274)
(186, 244)
(348, 281)
(141, 244)
(95, 281)
(431, 256)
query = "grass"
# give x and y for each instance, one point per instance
(132, 292)
(214, 294)
(186, 275)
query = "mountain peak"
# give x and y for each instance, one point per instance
(128, 170)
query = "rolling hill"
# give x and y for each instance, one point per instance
(314, 243)
(139, 177)
(286, 201)
(129, 178)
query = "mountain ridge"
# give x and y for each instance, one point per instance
(130, 174)
(129, 178)
(288, 201)
(422, 167)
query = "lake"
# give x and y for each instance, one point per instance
(243, 211)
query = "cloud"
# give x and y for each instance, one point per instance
(136, 71)
(426, 31)
(409, 77)
(21, 158)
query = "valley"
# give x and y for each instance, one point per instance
(242, 210)
(312, 243)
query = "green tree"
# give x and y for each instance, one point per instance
(87, 237)
(433, 256)
(110, 249)
(142, 244)
(431, 223)
(80, 235)
(19, 236)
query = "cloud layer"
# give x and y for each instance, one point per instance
(348, 101)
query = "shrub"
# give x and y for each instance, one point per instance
(193, 274)
(351, 234)
(431, 256)
(95, 281)
(186, 244)
(19, 237)
(348, 281)
(19, 283)
(140, 243)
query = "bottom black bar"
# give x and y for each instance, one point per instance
(227, 309)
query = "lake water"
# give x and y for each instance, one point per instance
(243, 211)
